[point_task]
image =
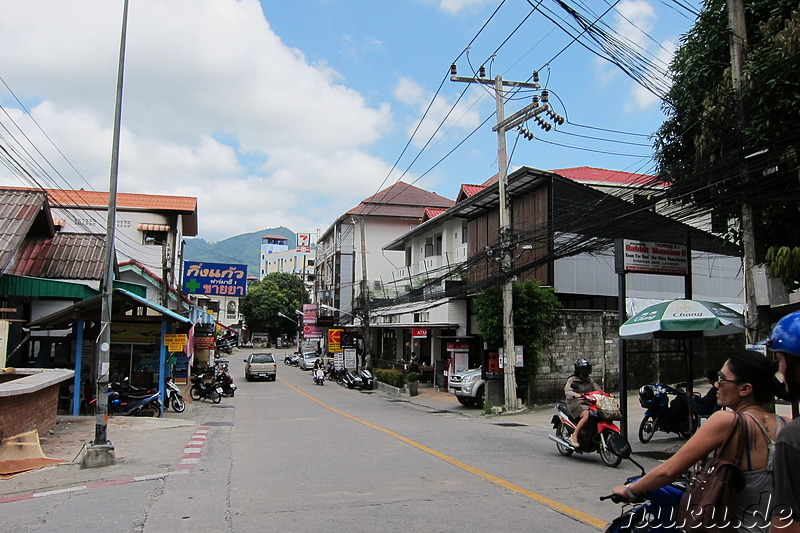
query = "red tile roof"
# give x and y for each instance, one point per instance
(400, 200)
(617, 177)
(431, 212)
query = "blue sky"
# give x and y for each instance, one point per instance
(290, 112)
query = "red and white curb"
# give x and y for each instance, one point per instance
(191, 456)
(191, 453)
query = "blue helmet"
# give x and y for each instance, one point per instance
(785, 336)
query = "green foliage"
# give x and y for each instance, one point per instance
(534, 321)
(784, 264)
(276, 293)
(412, 377)
(391, 376)
(699, 146)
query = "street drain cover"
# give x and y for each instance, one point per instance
(224, 406)
(217, 423)
(510, 424)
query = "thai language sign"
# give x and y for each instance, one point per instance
(652, 257)
(214, 278)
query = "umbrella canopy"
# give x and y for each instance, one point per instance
(683, 316)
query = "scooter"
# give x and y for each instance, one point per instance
(319, 376)
(225, 381)
(367, 379)
(663, 415)
(598, 435)
(201, 390)
(122, 402)
(351, 380)
(174, 397)
(653, 511)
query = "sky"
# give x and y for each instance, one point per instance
(290, 112)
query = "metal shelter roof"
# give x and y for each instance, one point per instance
(123, 302)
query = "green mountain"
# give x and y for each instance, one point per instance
(244, 249)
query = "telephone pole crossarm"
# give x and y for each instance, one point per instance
(524, 114)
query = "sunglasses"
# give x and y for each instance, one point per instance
(722, 379)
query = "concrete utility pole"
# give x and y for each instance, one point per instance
(365, 296)
(738, 42)
(506, 244)
(101, 451)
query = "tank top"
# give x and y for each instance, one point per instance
(753, 505)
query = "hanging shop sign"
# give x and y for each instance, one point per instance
(175, 342)
(651, 257)
(214, 278)
(419, 333)
(334, 340)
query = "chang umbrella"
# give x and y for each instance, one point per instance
(682, 317)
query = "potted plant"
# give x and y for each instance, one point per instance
(412, 379)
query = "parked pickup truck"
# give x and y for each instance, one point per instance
(468, 387)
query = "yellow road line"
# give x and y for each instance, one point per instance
(544, 500)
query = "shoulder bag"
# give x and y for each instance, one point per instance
(704, 505)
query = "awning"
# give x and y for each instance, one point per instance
(122, 302)
(152, 227)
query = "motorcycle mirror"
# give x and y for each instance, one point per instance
(619, 446)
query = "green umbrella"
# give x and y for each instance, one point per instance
(683, 316)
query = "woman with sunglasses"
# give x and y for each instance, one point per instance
(744, 385)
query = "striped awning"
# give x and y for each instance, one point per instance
(153, 227)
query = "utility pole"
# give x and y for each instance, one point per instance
(738, 42)
(530, 111)
(101, 451)
(365, 297)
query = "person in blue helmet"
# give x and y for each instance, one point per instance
(785, 342)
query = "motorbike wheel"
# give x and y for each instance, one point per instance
(194, 392)
(608, 457)
(216, 397)
(648, 428)
(178, 404)
(562, 433)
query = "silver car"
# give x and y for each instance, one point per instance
(307, 361)
(260, 365)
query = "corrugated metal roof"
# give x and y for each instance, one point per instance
(19, 209)
(64, 256)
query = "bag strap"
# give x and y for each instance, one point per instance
(728, 438)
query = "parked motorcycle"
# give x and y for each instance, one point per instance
(201, 390)
(653, 511)
(367, 379)
(319, 376)
(598, 435)
(291, 359)
(225, 381)
(663, 415)
(174, 397)
(123, 401)
(351, 380)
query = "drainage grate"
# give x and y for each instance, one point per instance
(217, 423)
(224, 406)
(510, 424)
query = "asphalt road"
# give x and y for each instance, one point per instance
(293, 456)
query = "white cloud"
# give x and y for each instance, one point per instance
(214, 106)
(464, 116)
(456, 6)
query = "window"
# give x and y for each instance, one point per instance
(154, 237)
(438, 247)
(423, 316)
(408, 256)
(463, 233)
(428, 247)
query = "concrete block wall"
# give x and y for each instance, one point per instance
(594, 335)
(24, 412)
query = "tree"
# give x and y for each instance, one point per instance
(700, 146)
(534, 322)
(276, 293)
